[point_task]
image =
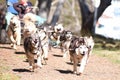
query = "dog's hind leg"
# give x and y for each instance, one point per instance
(18, 39)
(31, 61)
(65, 53)
(45, 52)
(39, 60)
(12, 39)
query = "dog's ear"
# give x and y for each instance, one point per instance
(77, 51)
(81, 40)
(77, 43)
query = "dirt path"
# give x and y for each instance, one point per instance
(57, 68)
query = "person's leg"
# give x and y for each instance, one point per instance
(8, 17)
(18, 9)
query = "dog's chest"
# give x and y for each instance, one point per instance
(32, 42)
(79, 57)
(66, 44)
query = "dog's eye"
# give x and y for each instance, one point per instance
(35, 41)
(14, 24)
(80, 47)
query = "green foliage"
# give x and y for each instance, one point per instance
(8, 76)
(106, 43)
(33, 1)
(2, 1)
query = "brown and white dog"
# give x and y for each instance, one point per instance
(80, 49)
(14, 31)
(78, 54)
(81, 55)
(54, 36)
(32, 47)
(35, 44)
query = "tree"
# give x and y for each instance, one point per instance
(44, 7)
(88, 16)
(57, 12)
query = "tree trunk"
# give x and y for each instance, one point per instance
(57, 12)
(88, 17)
(44, 8)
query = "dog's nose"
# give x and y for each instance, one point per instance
(90, 47)
(22, 24)
(83, 52)
(58, 29)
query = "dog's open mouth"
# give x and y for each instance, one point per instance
(27, 31)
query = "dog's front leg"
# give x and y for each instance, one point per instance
(13, 42)
(45, 52)
(18, 38)
(31, 61)
(65, 53)
(39, 60)
(83, 64)
(74, 63)
(12, 39)
(58, 41)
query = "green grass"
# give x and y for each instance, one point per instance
(113, 56)
(8, 76)
(4, 72)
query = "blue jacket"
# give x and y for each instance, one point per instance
(10, 6)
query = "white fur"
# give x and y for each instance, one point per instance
(58, 26)
(17, 31)
(29, 28)
(44, 43)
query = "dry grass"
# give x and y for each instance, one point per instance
(112, 55)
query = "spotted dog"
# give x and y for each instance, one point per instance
(14, 31)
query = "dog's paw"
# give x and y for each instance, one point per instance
(79, 74)
(74, 72)
(45, 58)
(64, 55)
(14, 47)
(18, 44)
(39, 65)
(31, 69)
